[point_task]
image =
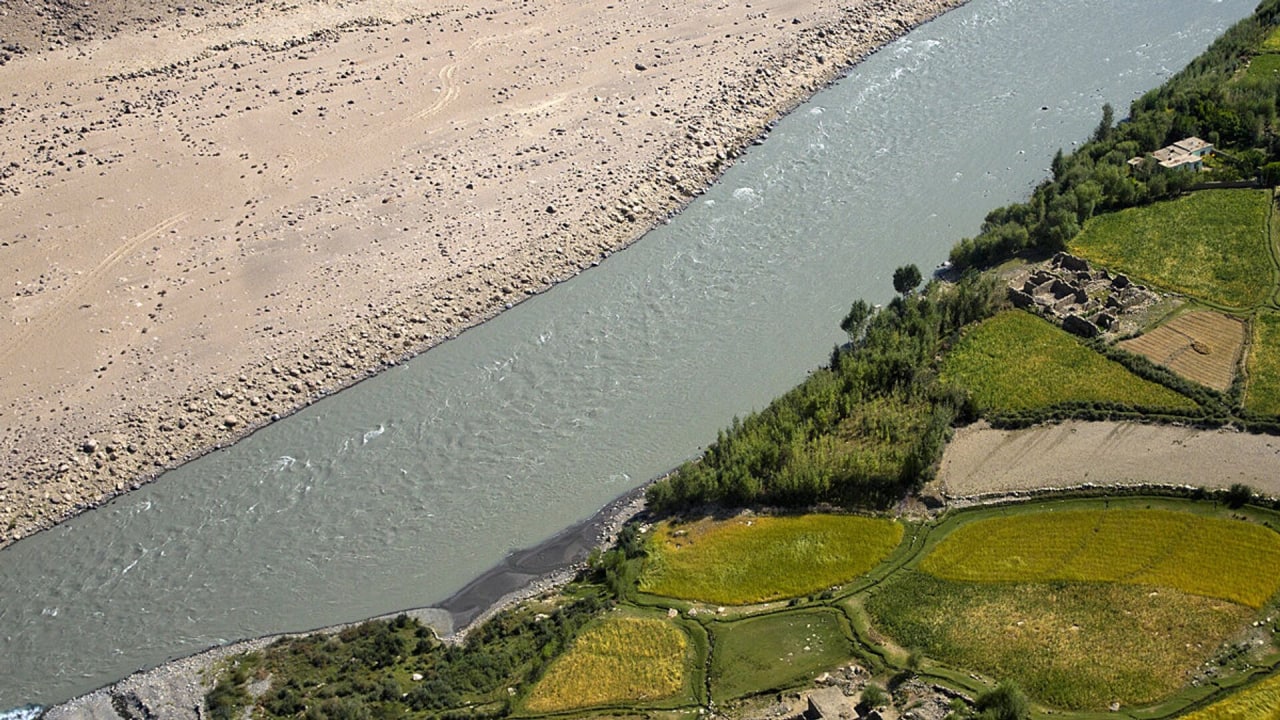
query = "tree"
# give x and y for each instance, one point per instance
(1238, 495)
(873, 696)
(1103, 132)
(906, 279)
(856, 321)
(1271, 174)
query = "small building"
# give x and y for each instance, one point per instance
(1186, 154)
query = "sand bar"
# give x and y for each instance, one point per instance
(217, 213)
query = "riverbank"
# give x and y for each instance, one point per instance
(220, 215)
(175, 690)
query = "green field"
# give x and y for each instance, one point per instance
(1272, 43)
(1258, 702)
(1017, 361)
(1227, 559)
(1262, 394)
(776, 651)
(1074, 646)
(1209, 245)
(621, 659)
(1264, 66)
(755, 559)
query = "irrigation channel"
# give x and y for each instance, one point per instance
(397, 492)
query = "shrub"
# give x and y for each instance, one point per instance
(1238, 495)
(873, 696)
(1005, 702)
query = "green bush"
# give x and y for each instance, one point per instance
(1005, 702)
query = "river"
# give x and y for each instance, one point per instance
(398, 491)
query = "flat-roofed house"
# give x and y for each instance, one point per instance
(1186, 154)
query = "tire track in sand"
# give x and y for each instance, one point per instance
(59, 307)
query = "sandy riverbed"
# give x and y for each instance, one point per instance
(219, 212)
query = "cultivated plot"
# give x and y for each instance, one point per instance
(620, 659)
(1211, 245)
(1262, 393)
(1214, 557)
(753, 559)
(1085, 605)
(776, 651)
(1201, 346)
(1017, 361)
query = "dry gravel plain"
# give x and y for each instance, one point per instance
(215, 213)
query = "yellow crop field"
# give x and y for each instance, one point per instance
(622, 659)
(749, 560)
(1259, 702)
(1212, 557)
(1202, 346)
(1075, 646)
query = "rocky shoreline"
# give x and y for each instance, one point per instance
(56, 466)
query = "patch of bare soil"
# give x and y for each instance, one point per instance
(982, 460)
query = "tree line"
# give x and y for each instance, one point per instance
(862, 431)
(1212, 98)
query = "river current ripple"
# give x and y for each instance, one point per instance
(396, 492)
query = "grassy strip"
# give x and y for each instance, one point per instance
(1210, 245)
(1226, 559)
(1016, 361)
(1076, 646)
(621, 659)
(749, 560)
(1257, 702)
(1264, 67)
(1262, 396)
(774, 652)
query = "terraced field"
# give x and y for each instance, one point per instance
(1202, 346)
(1084, 606)
(1211, 245)
(620, 659)
(1231, 560)
(753, 559)
(1017, 361)
(1075, 646)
